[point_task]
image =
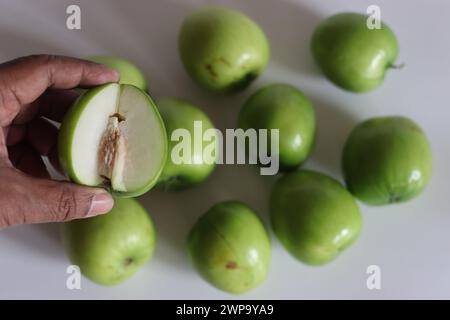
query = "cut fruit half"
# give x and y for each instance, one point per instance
(114, 136)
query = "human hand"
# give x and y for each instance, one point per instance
(32, 88)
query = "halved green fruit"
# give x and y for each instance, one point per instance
(114, 136)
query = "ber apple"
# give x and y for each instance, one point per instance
(387, 160)
(283, 107)
(313, 216)
(223, 50)
(230, 247)
(129, 73)
(113, 136)
(110, 248)
(350, 54)
(179, 114)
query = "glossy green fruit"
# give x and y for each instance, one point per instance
(350, 54)
(110, 248)
(179, 114)
(223, 50)
(113, 136)
(283, 107)
(230, 247)
(129, 73)
(313, 216)
(387, 160)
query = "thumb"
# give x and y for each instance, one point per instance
(32, 200)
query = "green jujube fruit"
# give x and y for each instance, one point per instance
(112, 247)
(313, 216)
(230, 247)
(180, 114)
(283, 107)
(350, 54)
(387, 160)
(223, 50)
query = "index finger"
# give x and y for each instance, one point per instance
(25, 79)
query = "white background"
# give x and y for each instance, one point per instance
(410, 242)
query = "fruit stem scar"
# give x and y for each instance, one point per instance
(397, 66)
(128, 261)
(231, 265)
(225, 61)
(119, 117)
(210, 70)
(394, 199)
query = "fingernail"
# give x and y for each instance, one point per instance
(108, 75)
(101, 203)
(113, 75)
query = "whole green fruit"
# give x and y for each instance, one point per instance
(387, 160)
(110, 248)
(129, 73)
(313, 216)
(230, 247)
(283, 107)
(179, 114)
(222, 50)
(350, 54)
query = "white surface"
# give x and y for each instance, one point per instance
(410, 242)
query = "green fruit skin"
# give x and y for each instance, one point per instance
(67, 130)
(313, 216)
(178, 114)
(222, 50)
(387, 160)
(110, 248)
(129, 73)
(230, 247)
(66, 134)
(350, 54)
(283, 107)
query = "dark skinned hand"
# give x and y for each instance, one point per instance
(33, 89)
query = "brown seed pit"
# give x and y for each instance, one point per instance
(109, 144)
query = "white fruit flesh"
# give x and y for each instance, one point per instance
(88, 133)
(118, 139)
(143, 127)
